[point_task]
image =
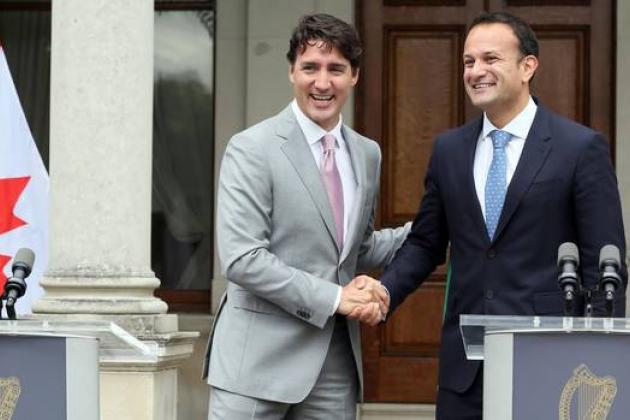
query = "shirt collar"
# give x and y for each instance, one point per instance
(519, 126)
(311, 130)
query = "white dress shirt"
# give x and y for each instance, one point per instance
(313, 134)
(519, 128)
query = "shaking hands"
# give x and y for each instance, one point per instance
(365, 299)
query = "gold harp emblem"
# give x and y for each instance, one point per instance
(9, 393)
(586, 396)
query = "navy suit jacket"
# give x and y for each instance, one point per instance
(564, 189)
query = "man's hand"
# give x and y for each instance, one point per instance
(365, 299)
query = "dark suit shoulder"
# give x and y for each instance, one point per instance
(455, 137)
(472, 126)
(561, 126)
(574, 140)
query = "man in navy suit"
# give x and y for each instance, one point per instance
(506, 190)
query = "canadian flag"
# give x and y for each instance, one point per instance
(23, 192)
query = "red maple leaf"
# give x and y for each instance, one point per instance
(10, 191)
(4, 260)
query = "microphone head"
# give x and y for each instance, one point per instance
(568, 251)
(24, 259)
(609, 254)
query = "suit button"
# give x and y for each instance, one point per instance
(492, 253)
(489, 294)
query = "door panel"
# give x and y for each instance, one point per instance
(417, 109)
(563, 91)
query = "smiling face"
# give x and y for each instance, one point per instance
(322, 80)
(496, 74)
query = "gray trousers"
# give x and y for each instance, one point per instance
(334, 396)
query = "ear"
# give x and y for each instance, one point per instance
(530, 64)
(291, 68)
(355, 76)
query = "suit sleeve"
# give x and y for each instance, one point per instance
(378, 247)
(598, 214)
(244, 208)
(425, 246)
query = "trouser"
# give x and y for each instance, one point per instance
(334, 396)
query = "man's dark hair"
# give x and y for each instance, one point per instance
(527, 41)
(332, 32)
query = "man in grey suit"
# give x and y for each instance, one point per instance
(296, 202)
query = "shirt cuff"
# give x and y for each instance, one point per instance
(386, 291)
(337, 301)
(389, 298)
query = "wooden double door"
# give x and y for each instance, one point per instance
(411, 89)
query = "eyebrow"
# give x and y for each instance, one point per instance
(483, 54)
(315, 63)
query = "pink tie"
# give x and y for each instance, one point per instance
(332, 183)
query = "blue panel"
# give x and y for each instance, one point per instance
(544, 363)
(40, 365)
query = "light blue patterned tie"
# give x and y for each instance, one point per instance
(496, 183)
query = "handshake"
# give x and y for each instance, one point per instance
(365, 299)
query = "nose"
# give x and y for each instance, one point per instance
(322, 81)
(477, 69)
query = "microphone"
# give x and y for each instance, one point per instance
(610, 281)
(568, 279)
(22, 266)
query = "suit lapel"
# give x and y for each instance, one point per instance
(535, 151)
(357, 157)
(299, 154)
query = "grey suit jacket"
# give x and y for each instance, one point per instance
(276, 242)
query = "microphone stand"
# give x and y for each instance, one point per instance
(588, 300)
(610, 303)
(570, 285)
(569, 300)
(9, 308)
(11, 312)
(609, 285)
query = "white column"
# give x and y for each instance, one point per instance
(100, 159)
(100, 199)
